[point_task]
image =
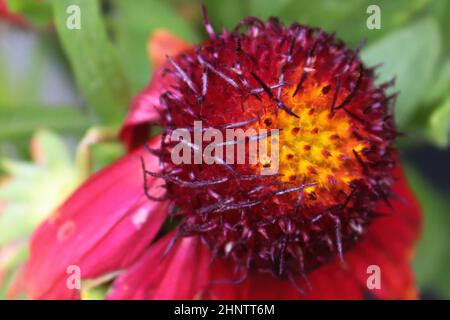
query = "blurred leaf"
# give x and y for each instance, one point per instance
(98, 73)
(105, 153)
(446, 26)
(325, 14)
(266, 8)
(28, 194)
(439, 124)
(226, 13)
(411, 55)
(441, 10)
(18, 77)
(431, 120)
(22, 121)
(97, 288)
(440, 87)
(432, 260)
(346, 18)
(48, 149)
(134, 21)
(95, 293)
(34, 82)
(33, 190)
(38, 12)
(88, 161)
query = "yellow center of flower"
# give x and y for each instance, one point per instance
(319, 146)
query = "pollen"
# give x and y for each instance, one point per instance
(315, 142)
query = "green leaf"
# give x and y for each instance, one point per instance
(441, 9)
(97, 70)
(432, 260)
(22, 121)
(50, 149)
(226, 13)
(14, 81)
(33, 190)
(134, 21)
(432, 119)
(38, 12)
(348, 18)
(439, 88)
(266, 8)
(411, 55)
(325, 14)
(105, 153)
(446, 27)
(29, 194)
(439, 124)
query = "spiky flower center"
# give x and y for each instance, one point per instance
(335, 137)
(317, 146)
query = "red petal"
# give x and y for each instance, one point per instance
(104, 226)
(181, 274)
(162, 43)
(389, 244)
(257, 286)
(143, 111)
(334, 282)
(328, 282)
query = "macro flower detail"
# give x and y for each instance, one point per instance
(338, 203)
(335, 146)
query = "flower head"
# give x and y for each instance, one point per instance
(337, 203)
(335, 140)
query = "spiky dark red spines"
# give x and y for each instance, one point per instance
(268, 223)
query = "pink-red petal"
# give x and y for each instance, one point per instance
(104, 226)
(181, 274)
(328, 282)
(389, 244)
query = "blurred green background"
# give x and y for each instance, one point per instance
(63, 94)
